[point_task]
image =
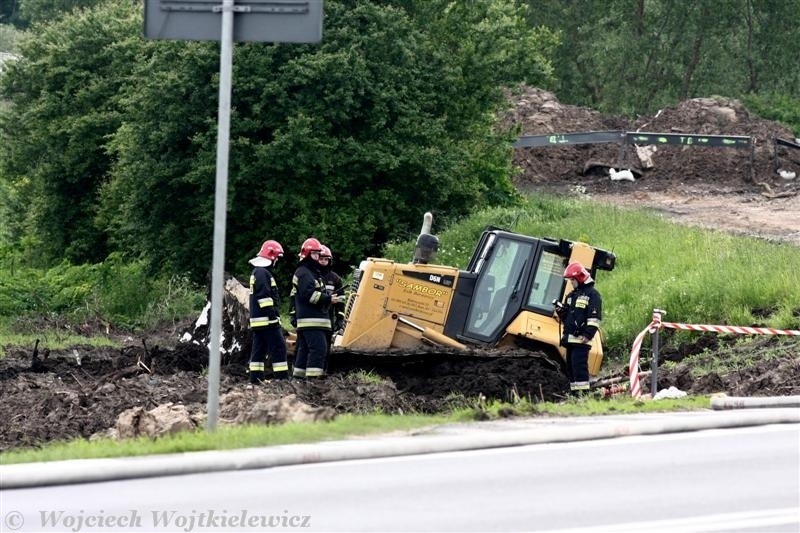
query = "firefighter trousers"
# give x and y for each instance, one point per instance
(312, 353)
(268, 343)
(578, 362)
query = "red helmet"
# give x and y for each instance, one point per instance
(271, 250)
(325, 252)
(577, 272)
(310, 245)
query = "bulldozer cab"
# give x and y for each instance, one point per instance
(513, 272)
(506, 294)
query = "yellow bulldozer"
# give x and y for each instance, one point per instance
(502, 303)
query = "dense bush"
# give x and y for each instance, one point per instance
(779, 107)
(116, 292)
(115, 150)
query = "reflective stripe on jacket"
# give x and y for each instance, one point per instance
(265, 300)
(311, 300)
(582, 314)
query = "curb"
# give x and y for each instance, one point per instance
(734, 402)
(95, 470)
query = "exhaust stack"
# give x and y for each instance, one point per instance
(427, 245)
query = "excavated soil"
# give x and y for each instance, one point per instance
(83, 391)
(721, 188)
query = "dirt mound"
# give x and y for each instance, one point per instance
(539, 112)
(81, 391)
(765, 366)
(717, 188)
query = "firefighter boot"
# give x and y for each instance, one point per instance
(579, 388)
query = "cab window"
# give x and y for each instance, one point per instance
(501, 277)
(548, 281)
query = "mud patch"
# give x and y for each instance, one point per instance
(766, 366)
(83, 391)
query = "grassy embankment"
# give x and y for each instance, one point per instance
(698, 276)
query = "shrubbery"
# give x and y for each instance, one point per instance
(779, 107)
(116, 292)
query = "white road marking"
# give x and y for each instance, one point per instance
(700, 524)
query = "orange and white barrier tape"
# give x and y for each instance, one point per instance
(633, 365)
(656, 324)
(742, 330)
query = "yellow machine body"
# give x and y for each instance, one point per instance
(504, 299)
(390, 292)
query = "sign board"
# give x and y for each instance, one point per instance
(644, 138)
(558, 139)
(689, 139)
(285, 21)
(788, 143)
(632, 137)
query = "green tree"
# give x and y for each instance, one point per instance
(9, 11)
(38, 11)
(110, 140)
(63, 106)
(350, 140)
(635, 56)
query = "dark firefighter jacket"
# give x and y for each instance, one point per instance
(334, 284)
(311, 300)
(265, 301)
(581, 314)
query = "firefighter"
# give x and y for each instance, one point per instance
(265, 321)
(311, 304)
(580, 315)
(334, 285)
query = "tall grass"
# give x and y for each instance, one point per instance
(117, 293)
(696, 275)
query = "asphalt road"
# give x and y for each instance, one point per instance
(743, 479)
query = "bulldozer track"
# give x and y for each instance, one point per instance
(439, 354)
(508, 374)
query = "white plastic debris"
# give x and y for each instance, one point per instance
(626, 175)
(787, 174)
(670, 393)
